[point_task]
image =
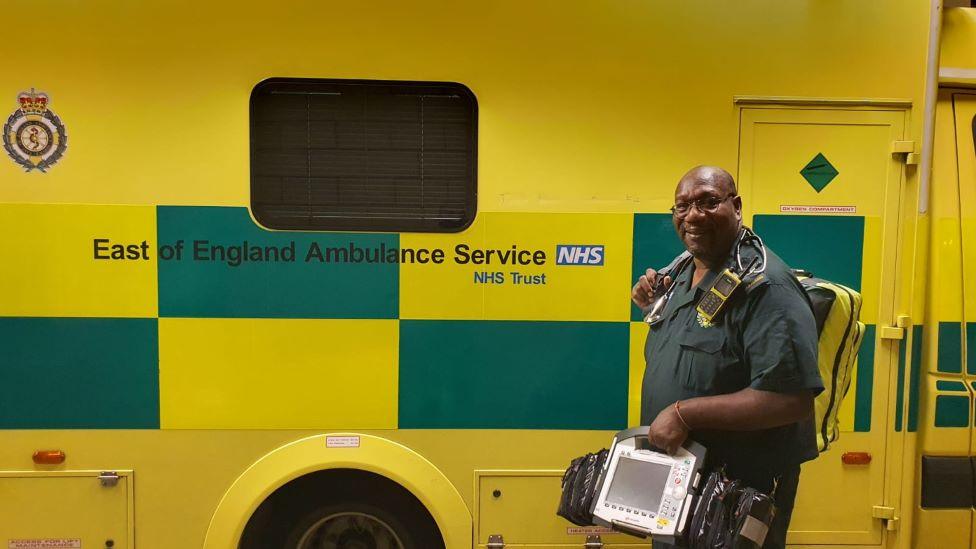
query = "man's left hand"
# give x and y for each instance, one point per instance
(668, 431)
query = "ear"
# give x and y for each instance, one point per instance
(737, 204)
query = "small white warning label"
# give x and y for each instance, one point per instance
(793, 208)
(46, 543)
(587, 530)
(342, 442)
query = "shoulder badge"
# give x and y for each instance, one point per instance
(34, 136)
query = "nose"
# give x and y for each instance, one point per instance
(694, 213)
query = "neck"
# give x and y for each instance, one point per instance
(703, 264)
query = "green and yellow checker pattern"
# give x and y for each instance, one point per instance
(195, 337)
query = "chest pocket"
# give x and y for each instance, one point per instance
(707, 365)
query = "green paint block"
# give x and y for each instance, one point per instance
(295, 284)
(830, 247)
(79, 373)
(915, 380)
(655, 245)
(951, 411)
(945, 385)
(971, 348)
(819, 172)
(950, 347)
(900, 392)
(864, 389)
(513, 375)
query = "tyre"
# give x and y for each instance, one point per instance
(342, 509)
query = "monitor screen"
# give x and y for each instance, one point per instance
(638, 484)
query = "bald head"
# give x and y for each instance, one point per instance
(713, 175)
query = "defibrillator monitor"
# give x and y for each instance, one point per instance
(645, 491)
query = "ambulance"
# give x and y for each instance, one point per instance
(357, 274)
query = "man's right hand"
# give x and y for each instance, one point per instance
(643, 293)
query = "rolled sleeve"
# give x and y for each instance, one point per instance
(780, 342)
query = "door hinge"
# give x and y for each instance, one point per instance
(495, 541)
(887, 516)
(902, 323)
(892, 332)
(906, 148)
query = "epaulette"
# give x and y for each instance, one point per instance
(755, 282)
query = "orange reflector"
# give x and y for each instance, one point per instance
(856, 458)
(48, 457)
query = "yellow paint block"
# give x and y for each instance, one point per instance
(278, 374)
(50, 265)
(638, 334)
(444, 291)
(871, 264)
(587, 292)
(964, 106)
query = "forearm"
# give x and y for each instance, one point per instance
(746, 410)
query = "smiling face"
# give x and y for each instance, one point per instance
(708, 235)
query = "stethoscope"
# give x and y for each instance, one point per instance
(754, 268)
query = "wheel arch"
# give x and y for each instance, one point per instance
(373, 454)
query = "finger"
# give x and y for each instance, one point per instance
(646, 283)
(667, 281)
(639, 298)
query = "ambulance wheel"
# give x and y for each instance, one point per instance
(352, 526)
(341, 509)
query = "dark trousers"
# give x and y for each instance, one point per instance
(784, 497)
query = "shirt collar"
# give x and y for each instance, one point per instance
(684, 293)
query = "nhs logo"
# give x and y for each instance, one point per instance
(579, 254)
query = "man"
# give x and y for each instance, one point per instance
(742, 385)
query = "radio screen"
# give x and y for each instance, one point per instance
(638, 484)
(725, 285)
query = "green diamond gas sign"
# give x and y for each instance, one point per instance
(819, 172)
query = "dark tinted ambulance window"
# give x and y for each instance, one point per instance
(363, 155)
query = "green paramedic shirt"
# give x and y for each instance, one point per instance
(766, 339)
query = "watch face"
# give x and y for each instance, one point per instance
(35, 138)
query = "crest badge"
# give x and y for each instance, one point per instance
(704, 322)
(33, 135)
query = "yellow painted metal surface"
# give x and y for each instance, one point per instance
(957, 64)
(277, 373)
(54, 237)
(65, 510)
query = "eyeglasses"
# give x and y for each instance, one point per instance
(704, 205)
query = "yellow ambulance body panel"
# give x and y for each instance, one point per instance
(140, 336)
